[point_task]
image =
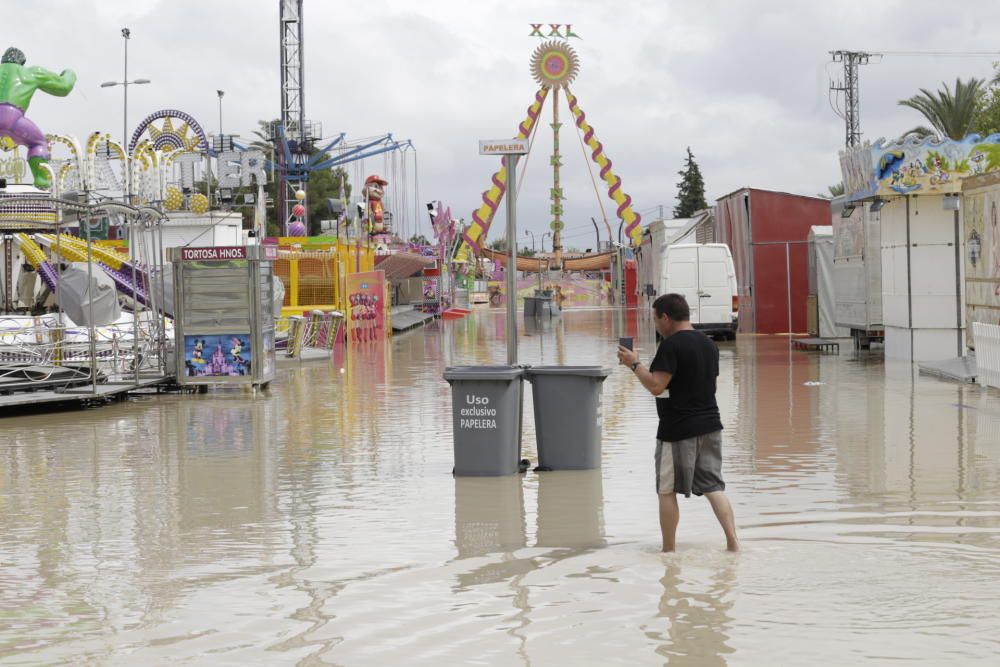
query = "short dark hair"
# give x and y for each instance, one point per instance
(674, 306)
(13, 55)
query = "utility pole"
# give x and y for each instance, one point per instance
(849, 86)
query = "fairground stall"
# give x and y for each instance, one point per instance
(913, 190)
(224, 320)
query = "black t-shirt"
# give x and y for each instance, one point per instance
(692, 360)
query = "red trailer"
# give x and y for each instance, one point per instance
(631, 283)
(768, 234)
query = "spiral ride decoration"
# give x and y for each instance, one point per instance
(483, 217)
(632, 219)
(554, 64)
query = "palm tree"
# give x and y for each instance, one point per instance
(835, 191)
(950, 115)
(262, 136)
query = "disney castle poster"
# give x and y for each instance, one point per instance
(226, 355)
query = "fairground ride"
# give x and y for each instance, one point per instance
(299, 147)
(554, 65)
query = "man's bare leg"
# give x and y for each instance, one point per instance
(670, 514)
(724, 513)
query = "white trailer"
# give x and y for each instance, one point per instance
(857, 271)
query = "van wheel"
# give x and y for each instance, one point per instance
(730, 335)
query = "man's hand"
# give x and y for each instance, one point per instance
(627, 357)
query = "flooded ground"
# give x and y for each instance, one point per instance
(320, 524)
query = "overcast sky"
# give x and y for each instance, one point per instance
(744, 84)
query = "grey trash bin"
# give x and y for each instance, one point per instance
(486, 418)
(568, 419)
(538, 306)
(544, 307)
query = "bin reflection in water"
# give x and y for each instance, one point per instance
(570, 509)
(489, 515)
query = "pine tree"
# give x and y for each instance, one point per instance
(691, 189)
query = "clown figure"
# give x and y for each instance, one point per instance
(373, 192)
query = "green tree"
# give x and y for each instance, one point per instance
(988, 106)
(419, 239)
(691, 189)
(500, 245)
(322, 185)
(262, 135)
(951, 114)
(834, 190)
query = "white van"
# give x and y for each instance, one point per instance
(705, 275)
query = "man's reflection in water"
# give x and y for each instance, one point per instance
(697, 613)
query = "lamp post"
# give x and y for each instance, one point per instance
(125, 83)
(527, 232)
(221, 93)
(543, 239)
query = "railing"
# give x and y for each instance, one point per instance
(317, 330)
(43, 341)
(313, 277)
(986, 338)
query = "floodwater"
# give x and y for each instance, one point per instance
(320, 525)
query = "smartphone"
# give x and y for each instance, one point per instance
(625, 342)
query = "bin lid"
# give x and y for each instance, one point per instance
(583, 371)
(483, 373)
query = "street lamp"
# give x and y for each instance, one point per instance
(528, 231)
(221, 93)
(125, 83)
(543, 240)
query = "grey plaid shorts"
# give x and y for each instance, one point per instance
(690, 466)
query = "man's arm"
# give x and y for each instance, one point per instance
(656, 382)
(52, 83)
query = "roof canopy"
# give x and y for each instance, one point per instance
(915, 165)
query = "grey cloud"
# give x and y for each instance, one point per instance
(744, 84)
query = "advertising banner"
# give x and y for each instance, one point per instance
(368, 306)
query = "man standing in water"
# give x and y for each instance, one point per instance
(18, 84)
(689, 438)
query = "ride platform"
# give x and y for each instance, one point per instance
(961, 369)
(46, 396)
(814, 344)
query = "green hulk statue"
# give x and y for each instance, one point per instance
(17, 85)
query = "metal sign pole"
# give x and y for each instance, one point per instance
(510, 149)
(511, 260)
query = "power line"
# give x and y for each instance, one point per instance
(946, 54)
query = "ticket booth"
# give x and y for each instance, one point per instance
(224, 316)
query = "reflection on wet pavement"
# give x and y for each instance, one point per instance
(320, 524)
